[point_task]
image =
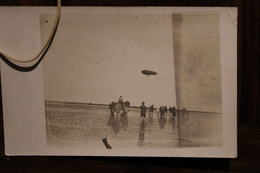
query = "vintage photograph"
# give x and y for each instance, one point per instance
(133, 80)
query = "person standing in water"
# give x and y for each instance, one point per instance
(120, 100)
(185, 114)
(173, 111)
(121, 103)
(143, 112)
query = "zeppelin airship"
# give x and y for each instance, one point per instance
(148, 72)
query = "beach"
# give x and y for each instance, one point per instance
(75, 124)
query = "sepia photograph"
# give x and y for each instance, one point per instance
(133, 80)
(122, 81)
(135, 86)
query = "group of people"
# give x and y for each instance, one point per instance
(163, 110)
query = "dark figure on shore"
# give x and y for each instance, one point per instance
(161, 109)
(185, 114)
(173, 111)
(143, 112)
(165, 109)
(111, 107)
(151, 109)
(170, 109)
(127, 105)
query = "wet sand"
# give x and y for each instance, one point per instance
(74, 125)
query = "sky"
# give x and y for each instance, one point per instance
(97, 58)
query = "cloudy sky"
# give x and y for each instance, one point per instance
(97, 58)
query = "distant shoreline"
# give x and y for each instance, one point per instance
(106, 105)
(80, 103)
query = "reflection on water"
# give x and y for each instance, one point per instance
(150, 132)
(150, 120)
(172, 122)
(199, 129)
(141, 133)
(118, 122)
(162, 121)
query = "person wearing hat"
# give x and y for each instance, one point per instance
(143, 111)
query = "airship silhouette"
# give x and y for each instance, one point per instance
(148, 72)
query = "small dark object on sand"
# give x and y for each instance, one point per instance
(106, 143)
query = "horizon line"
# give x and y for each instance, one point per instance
(103, 104)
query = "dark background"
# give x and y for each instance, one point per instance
(248, 104)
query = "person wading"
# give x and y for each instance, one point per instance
(143, 112)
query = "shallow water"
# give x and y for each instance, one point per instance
(77, 123)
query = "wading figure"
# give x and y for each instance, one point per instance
(143, 112)
(161, 111)
(173, 111)
(185, 114)
(165, 109)
(151, 109)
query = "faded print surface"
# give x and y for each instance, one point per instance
(197, 61)
(97, 58)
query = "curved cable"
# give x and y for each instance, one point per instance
(44, 48)
(32, 67)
